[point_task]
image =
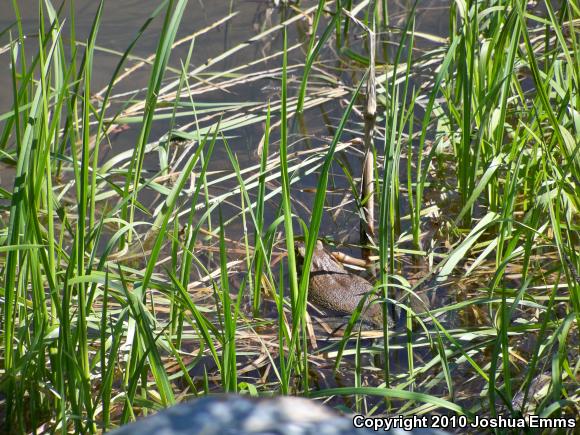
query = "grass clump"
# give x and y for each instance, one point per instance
(136, 279)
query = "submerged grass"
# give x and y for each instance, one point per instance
(126, 287)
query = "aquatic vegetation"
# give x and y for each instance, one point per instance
(147, 228)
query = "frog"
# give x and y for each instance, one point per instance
(333, 288)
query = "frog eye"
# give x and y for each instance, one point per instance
(319, 244)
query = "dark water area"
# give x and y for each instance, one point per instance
(121, 22)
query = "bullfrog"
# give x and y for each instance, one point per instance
(332, 287)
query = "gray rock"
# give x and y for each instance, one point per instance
(230, 414)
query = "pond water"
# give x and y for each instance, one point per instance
(242, 20)
(121, 22)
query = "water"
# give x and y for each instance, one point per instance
(120, 24)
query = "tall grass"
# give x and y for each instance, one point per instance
(126, 287)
